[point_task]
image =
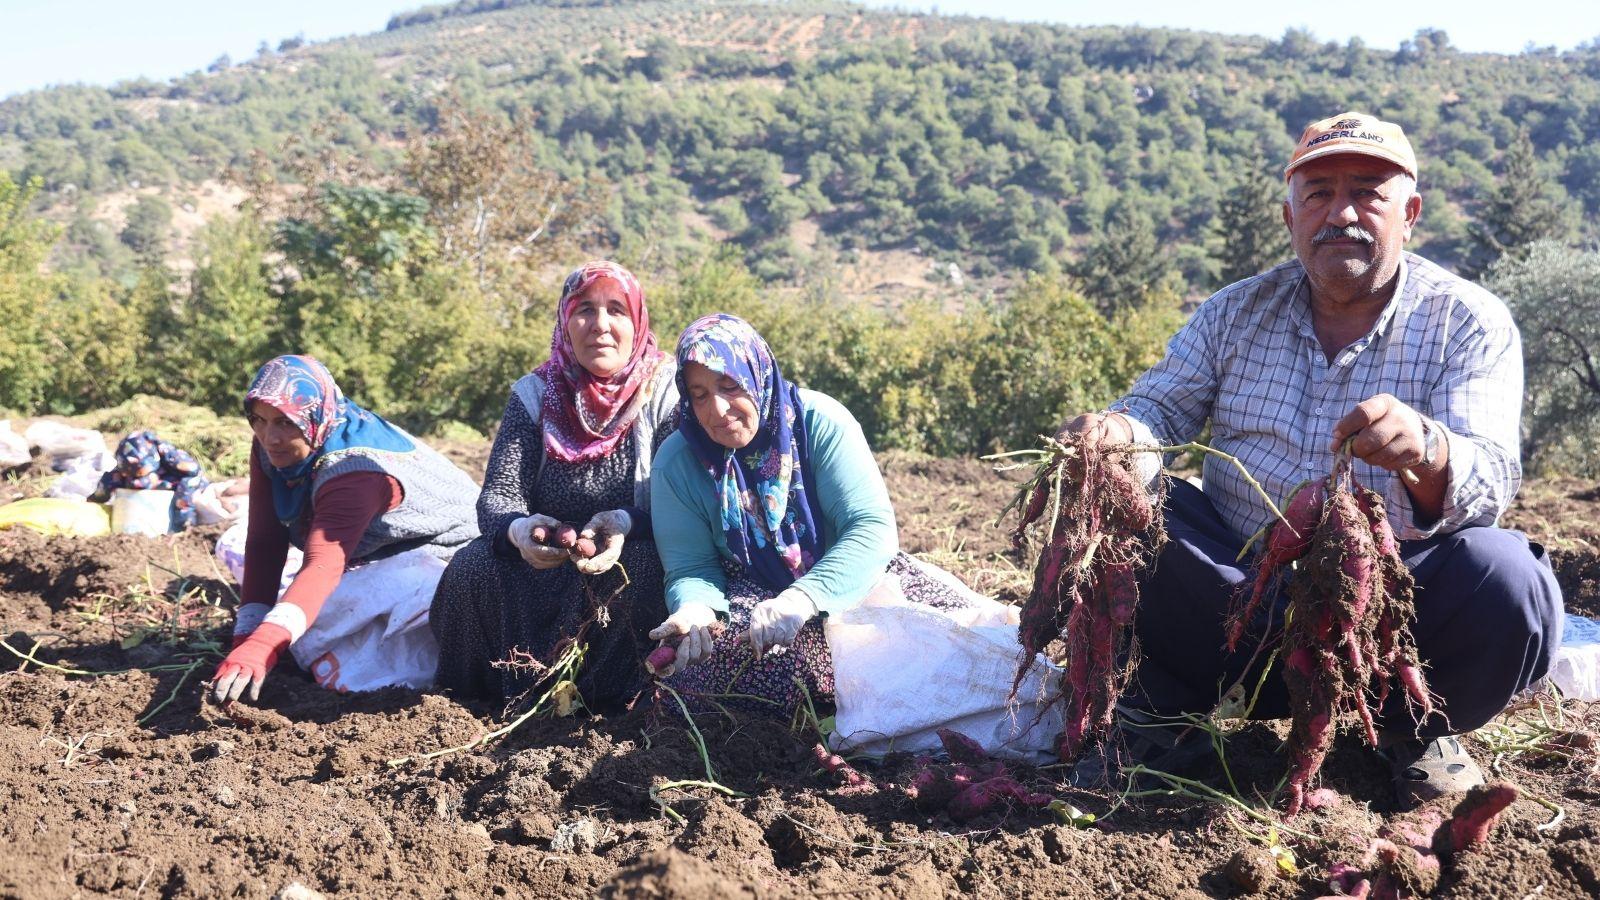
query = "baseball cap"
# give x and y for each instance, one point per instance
(1353, 132)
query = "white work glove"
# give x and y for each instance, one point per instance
(247, 620)
(606, 529)
(520, 534)
(695, 624)
(775, 623)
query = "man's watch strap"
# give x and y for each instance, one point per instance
(1431, 439)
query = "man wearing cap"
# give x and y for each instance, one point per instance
(1352, 339)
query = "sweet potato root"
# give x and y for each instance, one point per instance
(1474, 817)
(566, 536)
(1347, 635)
(836, 765)
(971, 785)
(1097, 528)
(660, 658)
(1287, 540)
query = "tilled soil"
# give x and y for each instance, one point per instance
(126, 785)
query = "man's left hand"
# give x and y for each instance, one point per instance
(1388, 433)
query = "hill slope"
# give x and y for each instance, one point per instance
(790, 127)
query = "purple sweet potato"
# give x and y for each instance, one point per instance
(1347, 635)
(1104, 530)
(660, 658)
(962, 749)
(566, 536)
(1287, 540)
(996, 794)
(834, 764)
(1474, 817)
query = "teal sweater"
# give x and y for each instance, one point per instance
(858, 530)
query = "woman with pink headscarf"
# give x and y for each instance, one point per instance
(574, 448)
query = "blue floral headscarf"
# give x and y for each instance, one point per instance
(146, 461)
(768, 518)
(302, 389)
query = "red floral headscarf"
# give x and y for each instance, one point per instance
(586, 416)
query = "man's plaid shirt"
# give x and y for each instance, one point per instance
(1249, 362)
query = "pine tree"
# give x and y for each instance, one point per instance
(1523, 209)
(1248, 235)
(1124, 263)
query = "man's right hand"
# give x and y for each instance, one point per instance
(696, 624)
(538, 555)
(1100, 429)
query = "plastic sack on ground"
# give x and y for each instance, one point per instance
(13, 447)
(230, 553)
(903, 670)
(214, 503)
(81, 477)
(64, 443)
(373, 631)
(57, 516)
(1576, 667)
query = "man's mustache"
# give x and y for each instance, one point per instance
(1347, 233)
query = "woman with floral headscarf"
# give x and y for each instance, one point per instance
(770, 512)
(145, 462)
(347, 488)
(574, 447)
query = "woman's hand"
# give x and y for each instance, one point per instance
(690, 630)
(607, 530)
(775, 623)
(535, 553)
(249, 663)
(247, 620)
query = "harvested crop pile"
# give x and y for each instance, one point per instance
(1404, 859)
(972, 785)
(1347, 635)
(1096, 527)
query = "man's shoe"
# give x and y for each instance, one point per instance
(1141, 739)
(1424, 770)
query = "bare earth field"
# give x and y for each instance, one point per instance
(122, 783)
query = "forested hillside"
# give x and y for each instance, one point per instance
(991, 145)
(839, 152)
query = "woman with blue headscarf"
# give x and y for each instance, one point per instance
(770, 512)
(348, 489)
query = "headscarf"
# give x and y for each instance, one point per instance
(768, 518)
(586, 416)
(145, 461)
(302, 389)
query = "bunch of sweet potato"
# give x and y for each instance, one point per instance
(1347, 635)
(1097, 527)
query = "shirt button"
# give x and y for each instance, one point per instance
(1319, 410)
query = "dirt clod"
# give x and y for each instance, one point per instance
(1250, 869)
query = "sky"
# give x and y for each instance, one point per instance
(105, 41)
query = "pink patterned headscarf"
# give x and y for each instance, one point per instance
(585, 416)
